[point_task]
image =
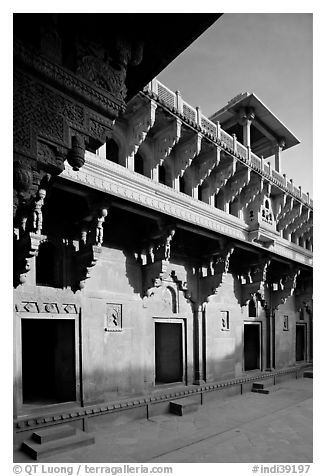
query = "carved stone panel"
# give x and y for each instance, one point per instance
(285, 323)
(113, 317)
(225, 320)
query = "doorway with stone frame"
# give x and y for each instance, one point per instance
(170, 352)
(301, 342)
(252, 346)
(49, 364)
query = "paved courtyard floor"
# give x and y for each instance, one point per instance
(249, 428)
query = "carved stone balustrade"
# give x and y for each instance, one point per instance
(228, 143)
(212, 173)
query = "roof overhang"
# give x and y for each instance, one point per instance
(163, 36)
(264, 118)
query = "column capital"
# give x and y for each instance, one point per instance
(246, 115)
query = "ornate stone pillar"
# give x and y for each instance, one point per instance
(270, 345)
(277, 151)
(198, 344)
(246, 116)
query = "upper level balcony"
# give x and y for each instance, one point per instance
(166, 154)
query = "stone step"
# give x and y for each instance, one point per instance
(265, 387)
(53, 433)
(183, 405)
(38, 450)
(308, 374)
(269, 382)
(265, 391)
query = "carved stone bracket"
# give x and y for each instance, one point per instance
(235, 185)
(86, 259)
(285, 287)
(91, 239)
(279, 204)
(304, 300)
(299, 221)
(218, 267)
(164, 246)
(155, 258)
(157, 278)
(27, 248)
(206, 165)
(254, 188)
(186, 152)
(158, 247)
(305, 228)
(290, 217)
(165, 140)
(286, 208)
(29, 203)
(100, 218)
(153, 276)
(139, 125)
(253, 282)
(305, 231)
(182, 286)
(223, 172)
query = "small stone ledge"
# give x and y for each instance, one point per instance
(29, 423)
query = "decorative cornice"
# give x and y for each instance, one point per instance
(116, 180)
(40, 307)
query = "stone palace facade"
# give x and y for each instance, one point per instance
(155, 248)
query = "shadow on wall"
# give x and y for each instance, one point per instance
(122, 375)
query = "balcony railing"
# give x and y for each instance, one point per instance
(175, 101)
(242, 151)
(256, 161)
(227, 139)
